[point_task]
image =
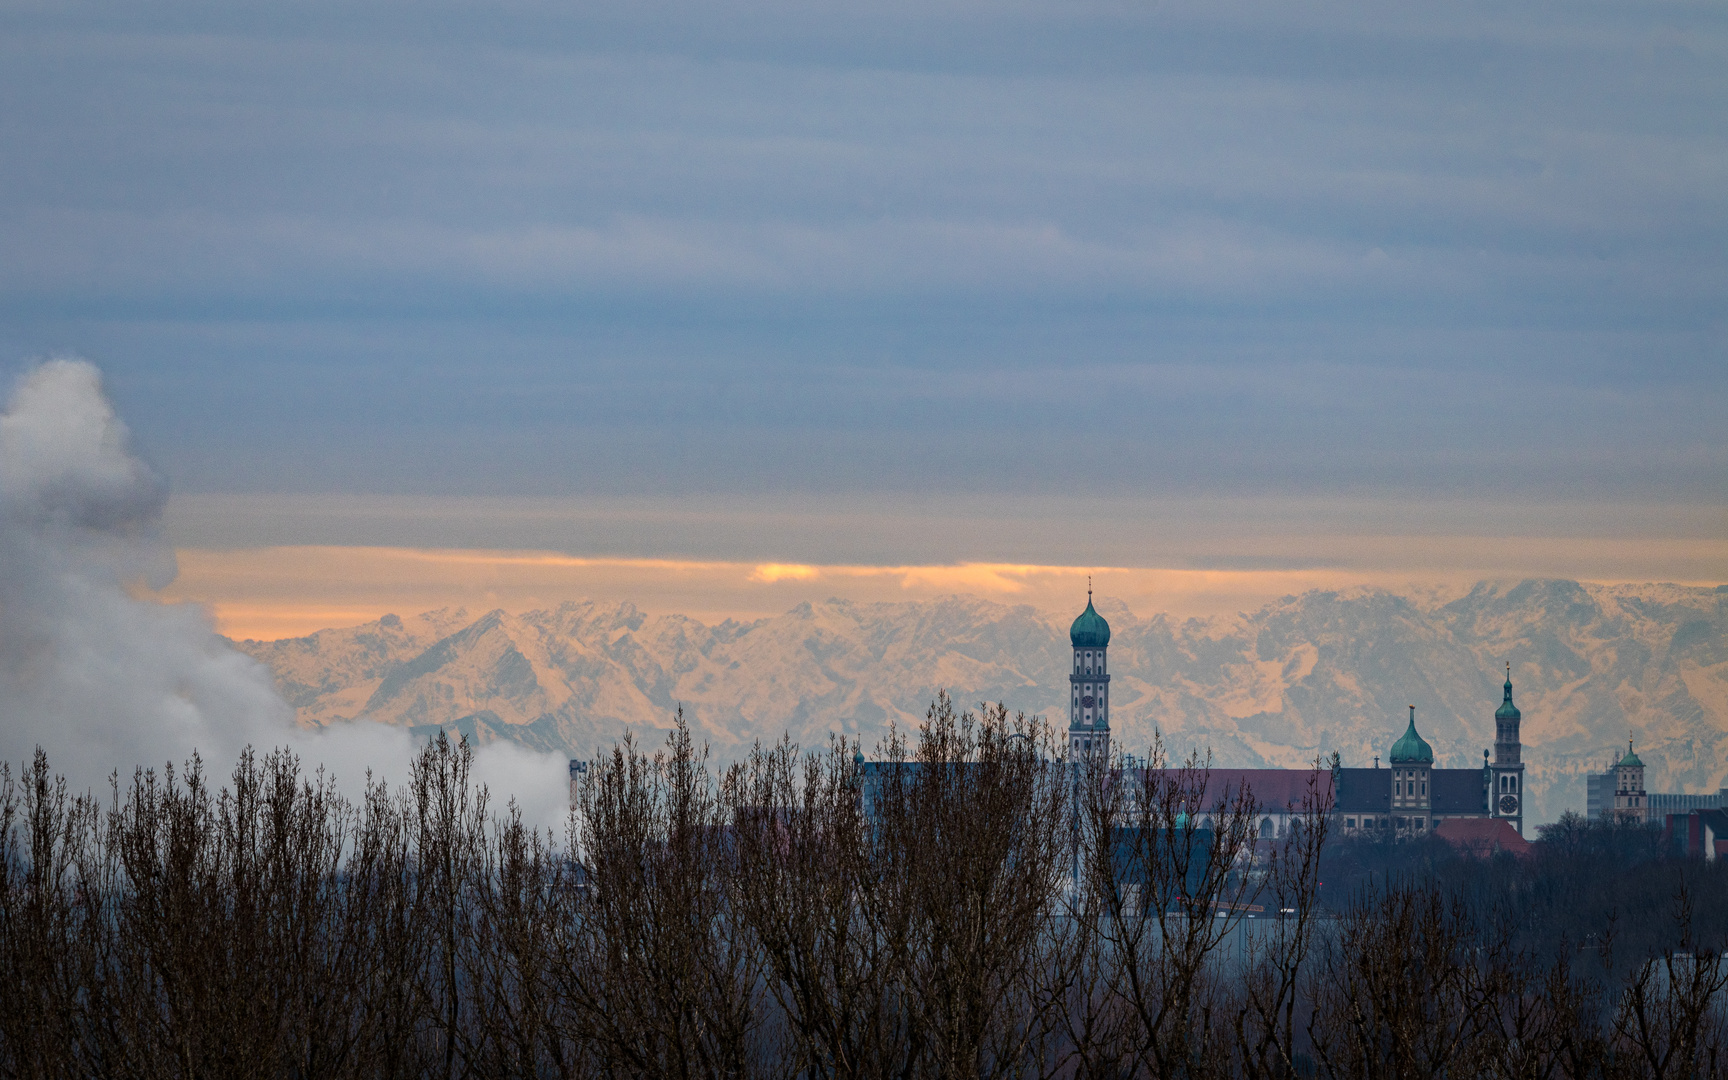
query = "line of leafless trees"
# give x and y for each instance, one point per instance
(968, 905)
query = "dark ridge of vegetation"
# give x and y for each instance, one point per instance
(970, 906)
(1587, 885)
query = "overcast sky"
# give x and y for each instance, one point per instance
(1358, 251)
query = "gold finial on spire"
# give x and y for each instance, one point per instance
(1088, 588)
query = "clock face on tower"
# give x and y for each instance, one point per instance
(1087, 701)
(1508, 804)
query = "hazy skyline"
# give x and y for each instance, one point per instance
(1210, 288)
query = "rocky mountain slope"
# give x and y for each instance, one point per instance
(1303, 676)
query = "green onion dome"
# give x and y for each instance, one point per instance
(1089, 631)
(1411, 748)
(1631, 760)
(1507, 710)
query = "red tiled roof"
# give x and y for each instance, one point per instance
(1482, 836)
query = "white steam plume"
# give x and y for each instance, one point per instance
(102, 679)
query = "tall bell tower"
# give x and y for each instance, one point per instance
(1506, 775)
(1089, 685)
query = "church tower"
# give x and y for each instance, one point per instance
(1506, 775)
(1631, 803)
(1089, 685)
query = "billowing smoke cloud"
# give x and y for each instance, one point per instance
(104, 678)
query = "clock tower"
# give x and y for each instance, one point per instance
(1089, 685)
(1506, 775)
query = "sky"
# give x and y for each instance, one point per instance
(719, 306)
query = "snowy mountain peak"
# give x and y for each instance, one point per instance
(1302, 676)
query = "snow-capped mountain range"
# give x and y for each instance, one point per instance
(1592, 665)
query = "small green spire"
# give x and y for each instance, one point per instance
(1631, 760)
(1507, 710)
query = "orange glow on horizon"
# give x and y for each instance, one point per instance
(277, 592)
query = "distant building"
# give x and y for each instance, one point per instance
(1410, 798)
(1618, 791)
(1598, 794)
(578, 770)
(1662, 803)
(1604, 795)
(1631, 802)
(1702, 833)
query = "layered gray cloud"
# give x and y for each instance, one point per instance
(552, 249)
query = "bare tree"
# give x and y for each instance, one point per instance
(973, 831)
(804, 884)
(657, 975)
(1671, 1016)
(44, 940)
(1395, 995)
(1272, 971)
(1163, 882)
(522, 899)
(973, 905)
